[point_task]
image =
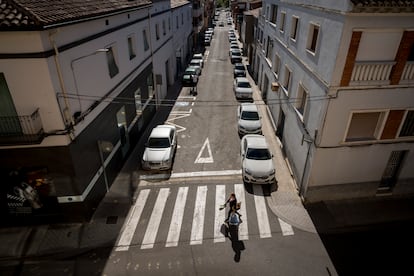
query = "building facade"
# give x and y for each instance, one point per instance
(338, 79)
(77, 92)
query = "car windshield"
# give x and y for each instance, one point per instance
(243, 84)
(190, 71)
(258, 154)
(236, 53)
(250, 115)
(159, 143)
(239, 67)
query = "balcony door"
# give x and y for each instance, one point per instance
(9, 121)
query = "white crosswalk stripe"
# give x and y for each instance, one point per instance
(219, 214)
(198, 219)
(131, 225)
(155, 219)
(243, 229)
(219, 196)
(261, 211)
(177, 217)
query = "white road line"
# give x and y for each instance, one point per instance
(190, 174)
(198, 219)
(262, 218)
(177, 218)
(154, 222)
(243, 228)
(132, 222)
(208, 159)
(287, 229)
(219, 214)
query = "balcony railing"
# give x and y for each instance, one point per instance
(19, 130)
(408, 72)
(372, 72)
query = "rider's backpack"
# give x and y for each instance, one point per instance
(234, 219)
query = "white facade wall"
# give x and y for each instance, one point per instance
(315, 143)
(181, 34)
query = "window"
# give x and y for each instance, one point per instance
(269, 48)
(282, 21)
(131, 47)
(169, 23)
(364, 126)
(408, 126)
(157, 32)
(411, 55)
(294, 29)
(302, 100)
(145, 38)
(313, 38)
(110, 58)
(164, 30)
(182, 19)
(138, 102)
(276, 65)
(287, 79)
(273, 16)
(177, 21)
(267, 12)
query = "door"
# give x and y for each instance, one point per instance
(390, 175)
(123, 130)
(280, 125)
(9, 121)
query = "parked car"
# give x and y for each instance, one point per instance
(257, 163)
(207, 40)
(194, 70)
(242, 88)
(235, 56)
(200, 58)
(239, 70)
(160, 148)
(248, 119)
(233, 47)
(187, 79)
(221, 24)
(196, 64)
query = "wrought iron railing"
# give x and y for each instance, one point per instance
(15, 130)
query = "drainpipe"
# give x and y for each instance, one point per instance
(66, 111)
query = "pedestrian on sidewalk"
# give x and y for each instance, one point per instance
(194, 85)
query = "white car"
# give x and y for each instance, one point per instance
(200, 58)
(242, 88)
(160, 148)
(248, 119)
(257, 163)
(196, 64)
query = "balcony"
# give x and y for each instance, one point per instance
(372, 72)
(21, 130)
(408, 73)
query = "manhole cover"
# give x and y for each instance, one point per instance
(111, 219)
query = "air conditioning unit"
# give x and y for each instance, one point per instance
(275, 86)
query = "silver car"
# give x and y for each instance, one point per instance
(200, 58)
(242, 88)
(248, 119)
(257, 163)
(160, 148)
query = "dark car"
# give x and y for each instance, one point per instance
(187, 80)
(239, 70)
(235, 56)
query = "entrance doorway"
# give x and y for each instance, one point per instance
(123, 130)
(390, 175)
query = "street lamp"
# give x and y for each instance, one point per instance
(102, 50)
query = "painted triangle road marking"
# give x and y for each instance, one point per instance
(208, 159)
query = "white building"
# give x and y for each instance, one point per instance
(338, 78)
(78, 85)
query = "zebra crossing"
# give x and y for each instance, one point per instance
(150, 223)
